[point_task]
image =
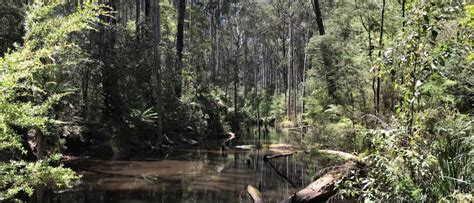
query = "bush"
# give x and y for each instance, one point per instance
(26, 99)
(434, 163)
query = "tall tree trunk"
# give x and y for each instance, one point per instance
(295, 85)
(180, 46)
(245, 68)
(212, 29)
(137, 21)
(319, 17)
(290, 69)
(403, 14)
(155, 6)
(305, 67)
(380, 55)
(40, 146)
(256, 101)
(236, 82)
(190, 39)
(147, 8)
(412, 102)
(368, 29)
(281, 77)
(112, 101)
(216, 56)
(85, 92)
(329, 72)
(236, 110)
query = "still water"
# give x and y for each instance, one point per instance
(199, 174)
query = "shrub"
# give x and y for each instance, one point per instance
(434, 163)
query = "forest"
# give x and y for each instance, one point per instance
(236, 101)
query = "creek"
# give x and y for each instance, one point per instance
(198, 174)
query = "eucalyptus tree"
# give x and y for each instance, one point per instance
(180, 45)
(156, 69)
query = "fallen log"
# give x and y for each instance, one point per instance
(254, 194)
(268, 157)
(343, 155)
(323, 187)
(319, 190)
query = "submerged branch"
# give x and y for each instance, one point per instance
(267, 161)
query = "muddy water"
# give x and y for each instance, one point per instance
(194, 175)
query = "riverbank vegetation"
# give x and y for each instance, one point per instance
(389, 81)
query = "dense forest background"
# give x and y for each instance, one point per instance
(388, 80)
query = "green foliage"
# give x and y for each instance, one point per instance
(420, 144)
(425, 152)
(454, 147)
(26, 101)
(147, 115)
(277, 107)
(340, 63)
(197, 118)
(400, 168)
(21, 176)
(434, 163)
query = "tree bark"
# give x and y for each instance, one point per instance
(147, 8)
(137, 21)
(323, 187)
(40, 146)
(256, 101)
(236, 82)
(155, 6)
(368, 29)
(380, 55)
(112, 101)
(180, 46)
(290, 70)
(403, 14)
(236, 111)
(319, 18)
(305, 65)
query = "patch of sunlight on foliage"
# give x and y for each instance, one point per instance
(337, 135)
(168, 23)
(424, 153)
(468, 21)
(286, 123)
(148, 115)
(277, 107)
(411, 168)
(24, 100)
(334, 111)
(18, 176)
(131, 26)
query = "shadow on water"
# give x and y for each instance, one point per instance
(194, 175)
